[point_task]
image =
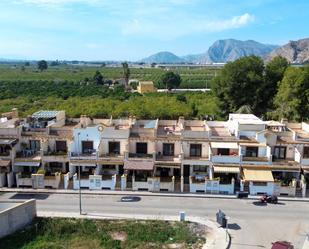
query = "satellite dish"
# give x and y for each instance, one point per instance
(100, 128)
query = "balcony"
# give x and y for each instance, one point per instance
(139, 156)
(29, 131)
(166, 159)
(91, 155)
(255, 160)
(111, 157)
(225, 158)
(54, 156)
(28, 155)
(196, 158)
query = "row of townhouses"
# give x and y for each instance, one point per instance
(48, 150)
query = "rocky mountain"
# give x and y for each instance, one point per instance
(163, 58)
(221, 51)
(231, 49)
(294, 51)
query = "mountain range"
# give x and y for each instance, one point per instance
(226, 50)
(295, 51)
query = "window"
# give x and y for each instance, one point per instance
(261, 184)
(195, 150)
(87, 147)
(141, 148)
(199, 168)
(168, 149)
(114, 147)
(280, 152)
(61, 146)
(223, 151)
(5, 150)
(306, 152)
(252, 151)
(34, 145)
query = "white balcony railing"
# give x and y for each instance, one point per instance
(225, 159)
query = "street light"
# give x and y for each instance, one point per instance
(79, 181)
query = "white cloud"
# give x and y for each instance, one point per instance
(232, 23)
(166, 29)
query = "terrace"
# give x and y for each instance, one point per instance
(223, 152)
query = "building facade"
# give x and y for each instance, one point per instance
(48, 150)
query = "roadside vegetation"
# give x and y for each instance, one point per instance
(59, 233)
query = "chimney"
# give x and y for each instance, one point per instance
(132, 120)
(84, 121)
(14, 113)
(181, 122)
(284, 121)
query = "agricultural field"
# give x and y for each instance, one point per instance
(62, 233)
(65, 88)
(191, 78)
(150, 106)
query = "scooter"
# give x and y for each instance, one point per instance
(269, 199)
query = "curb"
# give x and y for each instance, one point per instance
(139, 193)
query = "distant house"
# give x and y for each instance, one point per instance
(146, 87)
(120, 81)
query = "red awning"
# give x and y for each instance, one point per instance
(4, 163)
(138, 165)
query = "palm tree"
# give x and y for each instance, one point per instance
(126, 73)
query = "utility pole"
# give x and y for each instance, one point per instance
(79, 180)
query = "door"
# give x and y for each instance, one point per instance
(280, 152)
(186, 173)
(114, 148)
(34, 145)
(223, 151)
(141, 148)
(168, 149)
(87, 147)
(61, 146)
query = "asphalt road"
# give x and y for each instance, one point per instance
(250, 225)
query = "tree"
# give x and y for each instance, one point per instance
(292, 99)
(27, 64)
(274, 72)
(169, 80)
(98, 78)
(239, 84)
(54, 63)
(126, 73)
(42, 65)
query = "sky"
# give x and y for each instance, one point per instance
(134, 29)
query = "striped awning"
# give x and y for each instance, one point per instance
(138, 165)
(226, 169)
(258, 175)
(27, 164)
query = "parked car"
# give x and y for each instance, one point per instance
(282, 245)
(269, 199)
(242, 194)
